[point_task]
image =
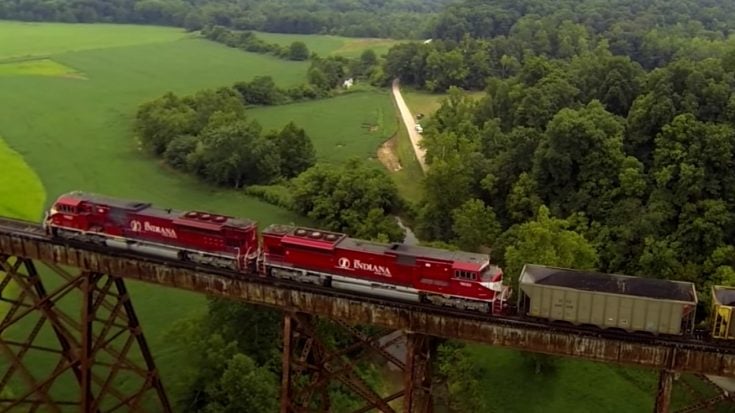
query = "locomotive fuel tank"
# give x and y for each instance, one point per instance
(148, 249)
(381, 290)
(607, 300)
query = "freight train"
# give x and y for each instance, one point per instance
(462, 280)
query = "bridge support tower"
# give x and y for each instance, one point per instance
(68, 340)
(318, 357)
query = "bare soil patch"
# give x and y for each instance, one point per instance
(387, 154)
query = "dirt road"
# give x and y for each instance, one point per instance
(410, 123)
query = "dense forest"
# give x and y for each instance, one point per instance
(364, 18)
(621, 125)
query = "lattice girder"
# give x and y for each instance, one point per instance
(97, 361)
(310, 366)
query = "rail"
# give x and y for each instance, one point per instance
(686, 354)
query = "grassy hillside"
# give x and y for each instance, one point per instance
(21, 193)
(572, 386)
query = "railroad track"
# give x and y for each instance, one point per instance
(35, 231)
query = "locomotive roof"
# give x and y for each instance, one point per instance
(474, 260)
(147, 208)
(609, 283)
(326, 240)
(108, 201)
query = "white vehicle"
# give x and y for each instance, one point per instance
(419, 129)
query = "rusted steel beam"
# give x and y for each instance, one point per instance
(374, 312)
(663, 394)
(286, 366)
(417, 376)
(320, 364)
(79, 341)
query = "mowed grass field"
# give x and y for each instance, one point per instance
(353, 124)
(420, 101)
(326, 45)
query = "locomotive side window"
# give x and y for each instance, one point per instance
(465, 275)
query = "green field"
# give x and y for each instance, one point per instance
(76, 133)
(326, 45)
(420, 101)
(576, 386)
(354, 124)
(38, 67)
(22, 39)
(21, 192)
(409, 179)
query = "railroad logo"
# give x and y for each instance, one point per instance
(136, 226)
(345, 264)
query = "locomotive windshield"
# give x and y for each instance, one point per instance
(490, 273)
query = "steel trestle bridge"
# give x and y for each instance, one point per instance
(103, 344)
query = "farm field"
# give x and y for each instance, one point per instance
(420, 101)
(27, 40)
(326, 45)
(21, 191)
(354, 124)
(75, 133)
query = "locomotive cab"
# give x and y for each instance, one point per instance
(62, 213)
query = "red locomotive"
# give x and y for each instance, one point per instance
(449, 278)
(453, 278)
(138, 226)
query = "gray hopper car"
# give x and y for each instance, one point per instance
(607, 300)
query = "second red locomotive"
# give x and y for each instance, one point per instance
(448, 278)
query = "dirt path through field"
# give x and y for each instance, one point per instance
(387, 155)
(408, 120)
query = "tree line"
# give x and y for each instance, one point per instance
(364, 18)
(249, 42)
(209, 135)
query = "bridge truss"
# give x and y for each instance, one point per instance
(101, 361)
(99, 343)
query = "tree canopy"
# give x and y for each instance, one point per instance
(365, 18)
(356, 198)
(209, 134)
